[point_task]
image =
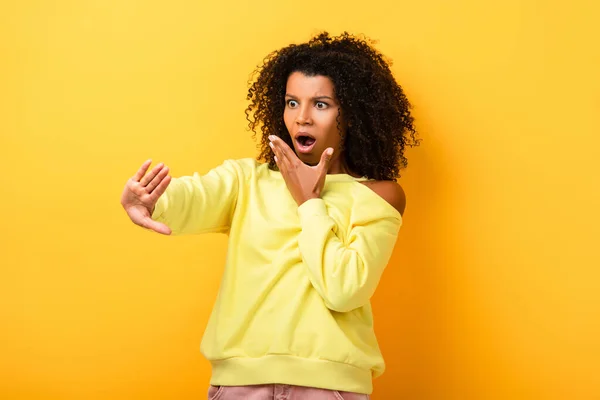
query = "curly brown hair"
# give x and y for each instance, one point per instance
(373, 104)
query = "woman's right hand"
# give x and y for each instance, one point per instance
(141, 194)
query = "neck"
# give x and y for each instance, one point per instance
(337, 165)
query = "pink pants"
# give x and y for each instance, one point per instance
(279, 392)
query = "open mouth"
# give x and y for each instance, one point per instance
(305, 143)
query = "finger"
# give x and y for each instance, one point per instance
(157, 179)
(286, 159)
(138, 175)
(279, 157)
(160, 189)
(285, 149)
(150, 175)
(323, 168)
(277, 162)
(275, 148)
(325, 159)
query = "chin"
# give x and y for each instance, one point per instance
(308, 159)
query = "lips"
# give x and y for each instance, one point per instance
(304, 142)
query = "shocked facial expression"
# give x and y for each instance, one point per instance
(311, 118)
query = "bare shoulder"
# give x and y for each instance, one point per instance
(390, 191)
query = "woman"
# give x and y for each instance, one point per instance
(312, 223)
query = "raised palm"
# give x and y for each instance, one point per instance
(141, 193)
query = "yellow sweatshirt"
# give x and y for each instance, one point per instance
(293, 306)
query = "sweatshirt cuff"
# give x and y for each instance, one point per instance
(159, 207)
(312, 208)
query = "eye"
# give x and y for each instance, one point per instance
(292, 103)
(320, 105)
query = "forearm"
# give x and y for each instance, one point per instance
(198, 204)
(346, 272)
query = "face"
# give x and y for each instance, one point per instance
(310, 116)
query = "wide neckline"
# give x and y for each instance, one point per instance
(345, 177)
(341, 177)
(349, 178)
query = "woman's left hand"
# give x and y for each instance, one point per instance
(303, 181)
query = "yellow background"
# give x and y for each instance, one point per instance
(494, 289)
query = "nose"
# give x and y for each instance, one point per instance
(303, 117)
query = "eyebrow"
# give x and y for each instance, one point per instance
(314, 98)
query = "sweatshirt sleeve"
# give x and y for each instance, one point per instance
(345, 273)
(200, 203)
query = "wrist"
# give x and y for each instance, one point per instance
(306, 198)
